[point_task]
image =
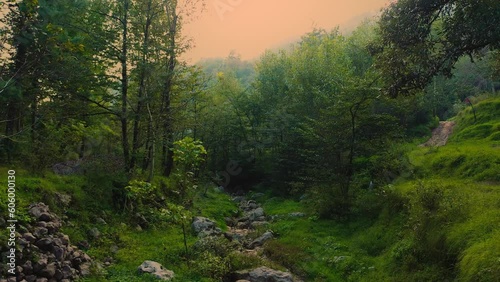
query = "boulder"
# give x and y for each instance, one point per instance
(254, 214)
(156, 269)
(203, 227)
(263, 274)
(261, 240)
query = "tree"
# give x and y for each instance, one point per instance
(420, 39)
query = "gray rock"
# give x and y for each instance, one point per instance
(156, 269)
(29, 237)
(45, 216)
(261, 240)
(85, 269)
(59, 275)
(100, 220)
(257, 224)
(37, 209)
(238, 199)
(49, 271)
(30, 278)
(27, 268)
(45, 244)
(94, 233)
(40, 264)
(264, 274)
(64, 239)
(64, 199)
(40, 232)
(254, 214)
(59, 253)
(296, 214)
(203, 224)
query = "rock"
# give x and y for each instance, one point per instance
(53, 227)
(238, 199)
(257, 224)
(156, 269)
(241, 280)
(49, 271)
(264, 274)
(100, 220)
(261, 240)
(94, 233)
(64, 239)
(45, 244)
(254, 214)
(38, 209)
(45, 216)
(27, 268)
(64, 199)
(40, 232)
(141, 220)
(296, 214)
(203, 227)
(56, 260)
(85, 269)
(59, 253)
(29, 237)
(40, 265)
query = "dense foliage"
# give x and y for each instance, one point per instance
(95, 90)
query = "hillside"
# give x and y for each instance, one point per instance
(437, 223)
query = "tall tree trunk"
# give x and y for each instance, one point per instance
(167, 140)
(124, 87)
(142, 89)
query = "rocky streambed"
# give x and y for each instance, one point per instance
(244, 233)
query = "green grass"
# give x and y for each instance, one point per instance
(447, 228)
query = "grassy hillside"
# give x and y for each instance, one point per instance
(438, 223)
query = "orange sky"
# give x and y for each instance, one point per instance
(251, 26)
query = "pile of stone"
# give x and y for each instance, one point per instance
(253, 216)
(45, 254)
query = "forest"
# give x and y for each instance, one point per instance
(371, 155)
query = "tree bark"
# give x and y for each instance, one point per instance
(124, 87)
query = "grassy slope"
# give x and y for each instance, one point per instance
(91, 199)
(441, 222)
(465, 223)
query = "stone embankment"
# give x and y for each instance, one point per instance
(45, 254)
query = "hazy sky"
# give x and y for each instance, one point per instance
(251, 26)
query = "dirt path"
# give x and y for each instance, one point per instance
(440, 134)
